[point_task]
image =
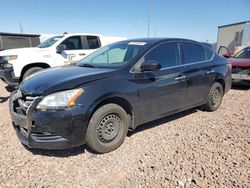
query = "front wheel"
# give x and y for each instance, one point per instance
(214, 97)
(31, 71)
(107, 128)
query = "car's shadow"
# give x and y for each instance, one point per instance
(161, 121)
(240, 87)
(9, 89)
(58, 153)
(4, 99)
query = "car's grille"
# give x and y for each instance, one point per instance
(241, 70)
(1, 62)
(22, 103)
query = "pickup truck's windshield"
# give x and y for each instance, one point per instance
(113, 55)
(49, 42)
(245, 53)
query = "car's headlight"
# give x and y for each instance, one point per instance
(60, 100)
(9, 57)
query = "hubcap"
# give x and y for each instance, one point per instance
(108, 128)
(216, 96)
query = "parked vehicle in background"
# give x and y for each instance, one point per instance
(240, 64)
(18, 40)
(114, 90)
(243, 54)
(18, 64)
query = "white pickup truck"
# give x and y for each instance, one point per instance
(17, 64)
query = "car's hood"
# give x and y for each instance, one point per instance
(19, 51)
(61, 78)
(239, 62)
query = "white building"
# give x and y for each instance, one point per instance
(234, 36)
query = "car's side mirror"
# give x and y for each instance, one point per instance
(60, 48)
(150, 66)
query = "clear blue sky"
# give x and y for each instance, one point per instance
(194, 19)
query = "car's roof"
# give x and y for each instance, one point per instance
(156, 40)
(73, 34)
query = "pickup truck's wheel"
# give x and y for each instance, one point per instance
(107, 128)
(31, 71)
(214, 97)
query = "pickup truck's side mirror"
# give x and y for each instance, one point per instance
(150, 66)
(60, 48)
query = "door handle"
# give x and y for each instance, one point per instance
(180, 78)
(210, 71)
(82, 54)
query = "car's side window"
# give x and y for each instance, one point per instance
(209, 54)
(193, 53)
(93, 42)
(73, 43)
(166, 54)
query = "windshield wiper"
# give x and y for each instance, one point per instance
(86, 65)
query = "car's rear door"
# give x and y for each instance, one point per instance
(163, 91)
(90, 43)
(199, 72)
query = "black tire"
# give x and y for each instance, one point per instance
(107, 128)
(214, 98)
(31, 71)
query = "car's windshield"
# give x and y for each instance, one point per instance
(113, 55)
(245, 53)
(49, 42)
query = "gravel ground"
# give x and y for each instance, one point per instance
(190, 149)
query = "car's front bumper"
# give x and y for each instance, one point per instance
(7, 75)
(55, 129)
(239, 77)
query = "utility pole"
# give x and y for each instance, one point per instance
(149, 14)
(21, 27)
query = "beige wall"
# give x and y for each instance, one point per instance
(227, 36)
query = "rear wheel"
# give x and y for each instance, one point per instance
(107, 128)
(214, 97)
(31, 71)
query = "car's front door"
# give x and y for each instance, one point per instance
(163, 91)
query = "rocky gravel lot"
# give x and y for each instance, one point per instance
(190, 149)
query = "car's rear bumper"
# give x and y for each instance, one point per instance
(48, 130)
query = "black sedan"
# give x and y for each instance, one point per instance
(114, 90)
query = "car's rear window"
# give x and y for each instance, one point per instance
(193, 53)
